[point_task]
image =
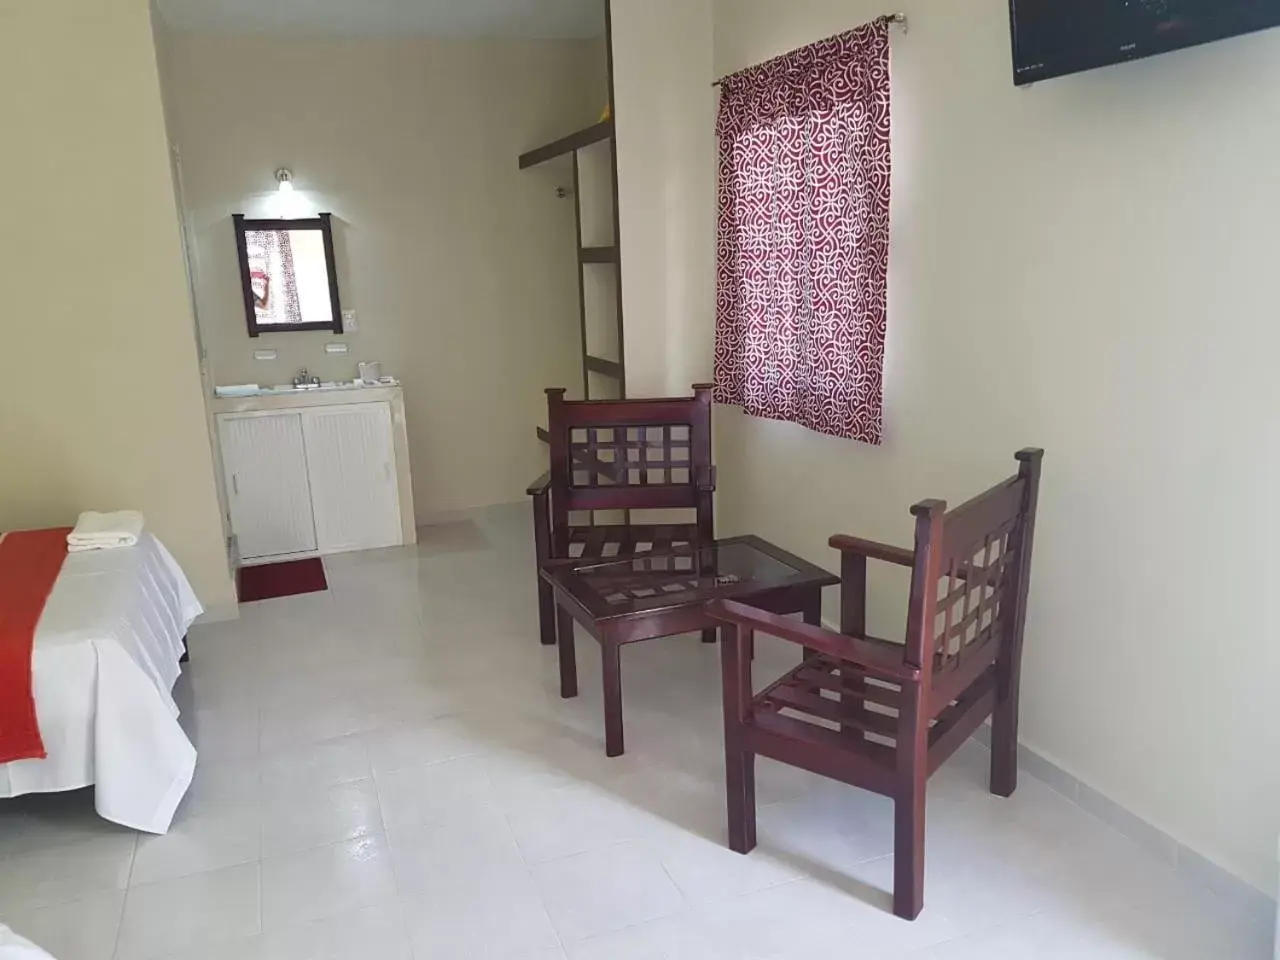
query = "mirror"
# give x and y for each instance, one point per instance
(288, 273)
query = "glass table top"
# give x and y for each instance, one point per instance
(725, 569)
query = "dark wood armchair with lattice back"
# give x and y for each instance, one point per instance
(615, 457)
(884, 716)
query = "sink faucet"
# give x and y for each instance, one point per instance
(302, 379)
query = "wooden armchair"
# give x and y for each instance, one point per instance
(884, 716)
(618, 456)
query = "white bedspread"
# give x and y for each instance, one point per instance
(13, 947)
(106, 658)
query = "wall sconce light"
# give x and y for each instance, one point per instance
(285, 179)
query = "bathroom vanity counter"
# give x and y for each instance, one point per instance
(291, 398)
(316, 471)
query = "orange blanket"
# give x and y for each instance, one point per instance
(30, 561)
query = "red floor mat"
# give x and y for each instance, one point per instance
(281, 580)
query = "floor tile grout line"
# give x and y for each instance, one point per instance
(528, 869)
(261, 898)
(124, 900)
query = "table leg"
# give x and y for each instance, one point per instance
(568, 654)
(611, 657)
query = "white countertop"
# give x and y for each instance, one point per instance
(285, 399)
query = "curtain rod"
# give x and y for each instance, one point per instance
(889, 18)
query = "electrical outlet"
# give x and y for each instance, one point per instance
(350, 323)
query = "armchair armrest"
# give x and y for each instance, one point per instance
(873, 550)
(540, 486)
(877, 661)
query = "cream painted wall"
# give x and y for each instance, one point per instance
(460, 266)
(100, 401)
(1086, 265)
(160, 34)
(666, 185)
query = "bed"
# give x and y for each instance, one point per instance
(14, 947)
(106, 657)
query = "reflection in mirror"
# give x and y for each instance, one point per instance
(288, 274)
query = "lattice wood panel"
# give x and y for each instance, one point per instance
(635, 456)
(972, 593)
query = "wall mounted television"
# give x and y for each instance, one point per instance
(1056, 37)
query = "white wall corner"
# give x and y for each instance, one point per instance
(663, 68)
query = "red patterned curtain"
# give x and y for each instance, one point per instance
(804, 236)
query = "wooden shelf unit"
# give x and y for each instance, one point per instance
(606, 368)
(607, 254)
(595, 133)
(598, 241)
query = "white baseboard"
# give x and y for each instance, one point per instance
(219, 614)
(1241, 894)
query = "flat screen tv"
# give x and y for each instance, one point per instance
(1056, 37)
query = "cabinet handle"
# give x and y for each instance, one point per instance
(235, 483)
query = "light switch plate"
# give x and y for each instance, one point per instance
(350, 323)
(265, 354)
(335, 348)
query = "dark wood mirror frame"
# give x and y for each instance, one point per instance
(322, 223)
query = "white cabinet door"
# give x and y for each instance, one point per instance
(352, 464)
(267, 488)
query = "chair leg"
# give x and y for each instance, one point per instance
(568, 655)
(812, 615)
(1004, 748)
(611, 657)
(546, 613)
(542, 551)
(908, 853)
(740, 769)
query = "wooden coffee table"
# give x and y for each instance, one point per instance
(663, 594)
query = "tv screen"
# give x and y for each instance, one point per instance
(1056, 37)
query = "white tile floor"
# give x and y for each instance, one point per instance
(388, 773)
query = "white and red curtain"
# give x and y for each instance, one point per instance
(803, 248)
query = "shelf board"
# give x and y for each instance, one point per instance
(598, 255)
(606, 368)
(575, 141)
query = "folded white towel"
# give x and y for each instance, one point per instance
(105, 531)
(240, 390)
